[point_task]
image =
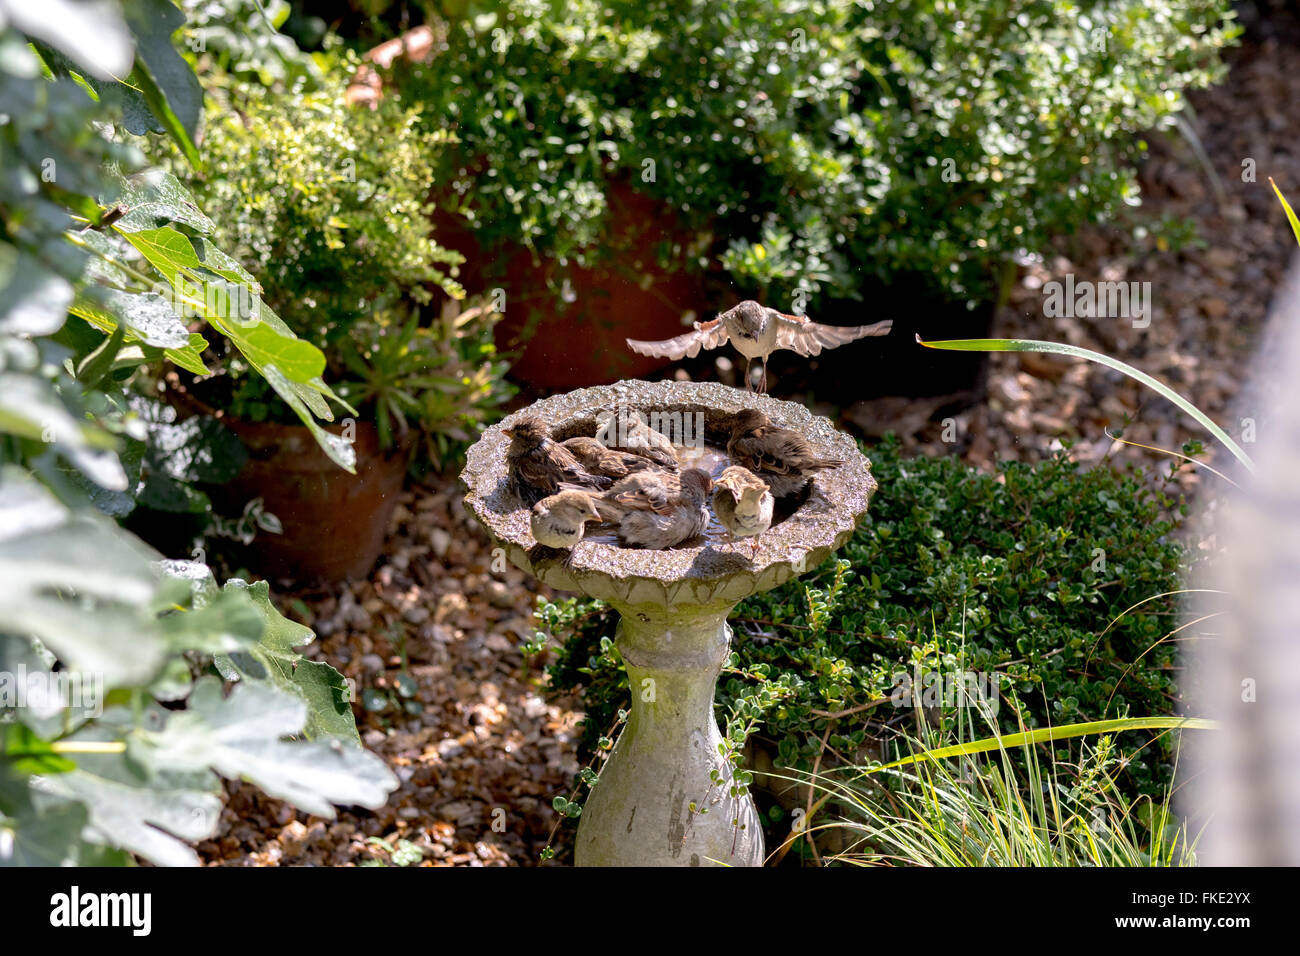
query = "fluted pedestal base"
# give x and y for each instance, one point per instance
(657, 802)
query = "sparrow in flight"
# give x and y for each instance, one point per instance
(780, 456)
(756, 332)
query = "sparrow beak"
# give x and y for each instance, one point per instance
(508, 432)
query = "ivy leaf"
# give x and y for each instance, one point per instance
(149, 810)
(227, 624)
(264, 339)
(264, 347)
(339, 449)
(190, 358)
(213, 259)
(91, 32)
(46, 714)
(167, 249)
(155, 198)
(49, 837)
(33, 300)
(31, 409)
(329, 702)
(77, 583)
(146, 315)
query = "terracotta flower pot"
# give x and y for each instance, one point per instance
(567, 325)
(573, 337)
(334, 523)
(577, 338)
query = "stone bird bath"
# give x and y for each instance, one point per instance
(672, 633)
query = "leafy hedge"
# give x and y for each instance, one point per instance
(1018, 572)
(813, 145)
(329, 205)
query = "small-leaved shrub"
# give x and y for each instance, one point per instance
(821, 146)
(330, 205)
(1053, 576)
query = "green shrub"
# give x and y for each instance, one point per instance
(331, 203)
(1027, 573)
(242, 38)
(330, 206)
(813, 145)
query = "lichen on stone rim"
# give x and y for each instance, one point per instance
(706, 575)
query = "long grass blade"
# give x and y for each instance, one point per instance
(1290, 213)
(1058, 348)
(1046, 734)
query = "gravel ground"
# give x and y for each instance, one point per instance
(1209, 300)
(483, 750)
(481, 753)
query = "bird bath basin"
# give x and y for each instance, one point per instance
(673, 605)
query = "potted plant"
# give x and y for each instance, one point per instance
(592, 260)
(330, 207)
(851, 161)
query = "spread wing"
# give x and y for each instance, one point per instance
(799, 334)
(707, 335)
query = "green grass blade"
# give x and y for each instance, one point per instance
(1045, 734)
(1290, 213)
(1033, 345)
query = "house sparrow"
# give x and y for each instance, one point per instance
(537, 465)
(657, 509)
(780, 456)
(743, 503)
(756, 332)
(629, 431)
(560, 521)
(597, 459)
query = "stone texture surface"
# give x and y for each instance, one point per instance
(664, 796)
(706, 576)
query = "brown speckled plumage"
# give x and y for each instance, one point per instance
(537, 465)
(598, 459)
(781, 457)
(657, 509)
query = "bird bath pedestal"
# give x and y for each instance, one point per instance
(663, 796)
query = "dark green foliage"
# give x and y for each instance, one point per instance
(1019, 572)
(813, 145)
